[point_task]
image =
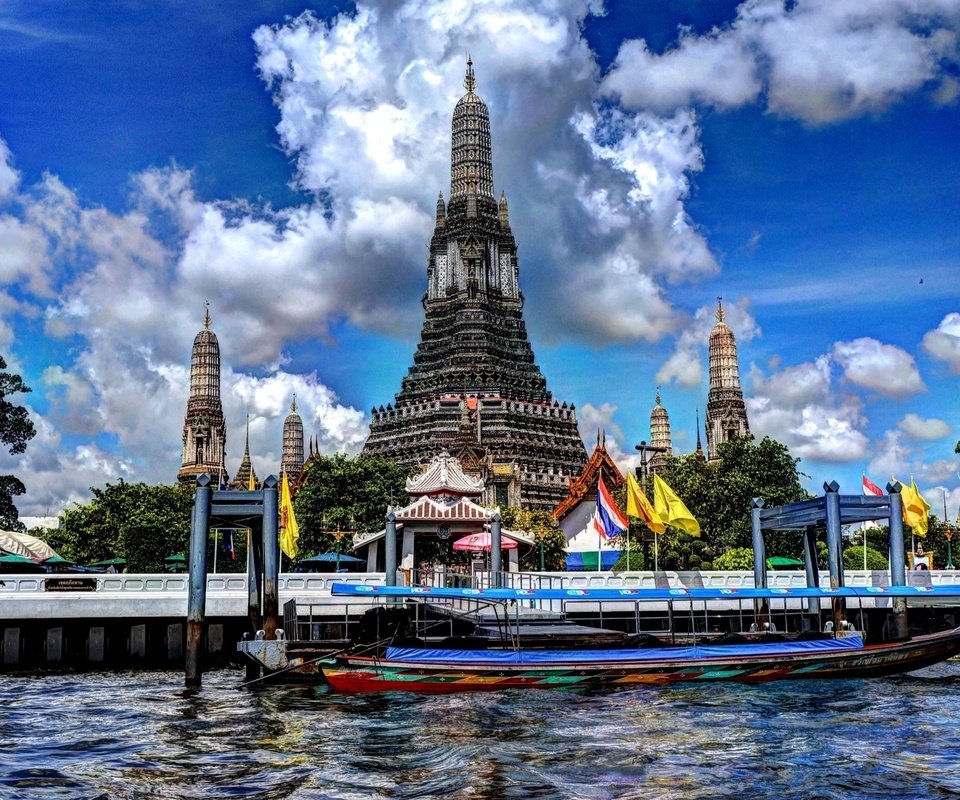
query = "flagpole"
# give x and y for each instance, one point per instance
(656, 553)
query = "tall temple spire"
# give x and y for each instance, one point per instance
(659, 434)
(471, 157)
(246, 474)
(726, 411)
(474, 345)
(204, 428)
(291, 460)
(470, 80)
(699, 451)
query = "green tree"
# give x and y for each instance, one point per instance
(135, 521)
(16, 429)
(853, 558)
(339, 494)
(719, 493)
(549, 542)
(737, 558)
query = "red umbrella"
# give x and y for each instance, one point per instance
(482, 541)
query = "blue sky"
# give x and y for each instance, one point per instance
(282, 161)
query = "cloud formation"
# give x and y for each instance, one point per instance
(883, 368)
(944, 342)
(799, 406)
(819, 61)
(920, 428)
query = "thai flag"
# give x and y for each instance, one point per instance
(228, 544)
(608, 519)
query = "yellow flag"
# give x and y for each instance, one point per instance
(916, 510)
(289, 533)
(671, 509)
(919, 509)
(638, 506)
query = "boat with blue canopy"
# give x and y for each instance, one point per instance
(518, 644)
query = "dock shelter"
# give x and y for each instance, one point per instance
(832, 510)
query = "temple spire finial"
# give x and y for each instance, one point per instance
(719, 309)
(658, 395)
(206, 315)
(293, 405)
(470, 81)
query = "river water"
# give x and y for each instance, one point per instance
(142, 735)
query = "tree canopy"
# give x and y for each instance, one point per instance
(719, 493)
(339, 494)
(140, 523)
(16, 429)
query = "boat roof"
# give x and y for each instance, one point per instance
(675, 593)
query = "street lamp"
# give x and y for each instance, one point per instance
(645, 451)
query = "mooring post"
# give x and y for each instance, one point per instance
(496, 551)
(197, 591)
(271, 558)
(390, 549)
(813, 574)
(759, 557)
(898, 559)
(831, 494)
(255, 578)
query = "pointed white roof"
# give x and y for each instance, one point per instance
(444, 475)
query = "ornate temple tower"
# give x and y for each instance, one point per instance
(291, 460)
(474, 388)
(246, 475)
(659, 434)
(726, 412)
(204, 429)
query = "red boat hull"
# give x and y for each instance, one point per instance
(368, 674)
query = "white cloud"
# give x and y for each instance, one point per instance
(944, 342)
(796, 405)
(884, 368)
(894, 457)
(921, 428)
(9, 177)
(716, 69)
(815, 60)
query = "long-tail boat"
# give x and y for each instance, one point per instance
(463, 666)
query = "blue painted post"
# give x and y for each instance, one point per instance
(813, 574)
(271, 557)
(255, 577)
(760, 607)
(898, 559)
(390, 549)
(496, 552)
(834, 548)
(834, 564)
(759, 548)
(197, 591)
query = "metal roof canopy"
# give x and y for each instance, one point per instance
(831, 511)
(806, 513)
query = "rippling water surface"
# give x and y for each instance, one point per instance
(142, 735)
